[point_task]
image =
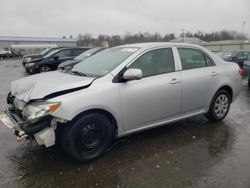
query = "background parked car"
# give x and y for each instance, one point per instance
(6, 53)
(28, 58)
(235, 56)
(51, 61)
(66, 65)
(246, 69)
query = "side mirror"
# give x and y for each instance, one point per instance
(235, 58)
(56, 57)
(132, 74)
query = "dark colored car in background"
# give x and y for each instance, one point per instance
(235, 56)
(248, 81)
(67, 65)
(28, 58)
(51, 61)
(246, 69)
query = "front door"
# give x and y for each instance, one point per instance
(157, 96)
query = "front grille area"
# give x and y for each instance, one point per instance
(10, 99)
(13, 109)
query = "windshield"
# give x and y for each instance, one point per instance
(103, 62)
(43, 52)
(225, 55)
(86, 54)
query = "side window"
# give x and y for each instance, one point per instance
(63, 54)
(192, 58)
(245, 54)
(208, 61)
(238, 55)
(248, 58)
(155, 62)
(76, 52)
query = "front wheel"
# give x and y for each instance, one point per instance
(87, 138)
(44, 68)
(219, 106)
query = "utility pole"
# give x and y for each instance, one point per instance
(242, 34)
(243, 25)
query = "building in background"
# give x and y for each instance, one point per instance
(227, 45)
(190, 40)
(217, 46)
(29, 45)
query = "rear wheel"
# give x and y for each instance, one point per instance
(219, 106)
(87, 138)
(44, 68)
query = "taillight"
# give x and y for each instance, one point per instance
(240, 72)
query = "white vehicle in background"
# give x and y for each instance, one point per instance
(5, 53)
(119, 91)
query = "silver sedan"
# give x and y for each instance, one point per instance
(120, 91)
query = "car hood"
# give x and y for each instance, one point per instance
(33, 56)
(38, 59)
(51, 84)
(68, 62)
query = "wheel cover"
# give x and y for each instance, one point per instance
(89, 139)
(221, 105)
(44, 69)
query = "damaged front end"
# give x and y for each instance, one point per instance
(32, 120)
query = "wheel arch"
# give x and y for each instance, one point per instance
(228, 89)
(108, 114)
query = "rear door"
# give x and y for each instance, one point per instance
(199, 76)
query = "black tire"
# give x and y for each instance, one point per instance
(44, 68)
(219, 110)
(88, 137)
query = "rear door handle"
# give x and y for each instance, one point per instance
(175, 81)
(214, 73)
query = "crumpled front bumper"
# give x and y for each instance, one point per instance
(9, 121)
(40, 129)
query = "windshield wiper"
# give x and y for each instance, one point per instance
(78, 73)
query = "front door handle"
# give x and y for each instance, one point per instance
(175, 81)
(214, 73)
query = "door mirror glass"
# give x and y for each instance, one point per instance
(132, 74)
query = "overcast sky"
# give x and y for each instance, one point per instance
(71, 17)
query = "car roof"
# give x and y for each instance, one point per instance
(158, 44)
(66, 48)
